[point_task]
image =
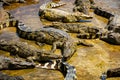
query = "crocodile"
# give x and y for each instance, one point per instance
(83, 6)
(76, 28)
(52, 14)
(24, 50)
(52, 36)
(7, 63)
(113, 26)
(16, 63)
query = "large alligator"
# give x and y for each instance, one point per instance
(52, 36)
(51, 14)
(24, 50)
(83, 6)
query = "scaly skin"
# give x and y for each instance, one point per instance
(6, 19)
(82, 6)
(90, 31)
(59, 15)
(24, 50)
(14, 63)
(113, 26)
(7, 77)
(4, 15)
(55, 37)
(102, 12)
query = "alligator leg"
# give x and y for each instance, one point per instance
(40, 44)
(84, 43)
(55, 45)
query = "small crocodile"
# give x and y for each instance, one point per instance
(83, 6)
(59, 15)
(6, 19)
(52, 36)
(7, 63)
(90, 31)
(24, 50)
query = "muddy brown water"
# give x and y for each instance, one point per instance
(90, 62)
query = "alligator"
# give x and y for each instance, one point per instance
(6, 19)
(24, 50)
(4, 15)
(52, 36)
(76, 28)
(7, 63)
(113, 26)
(8, 2)
(83, 6)
(7, 77)
(104, 13)
(52, 14)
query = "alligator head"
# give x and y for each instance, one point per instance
(20, 64)
(82, 16)
(46, 56)
(112, 37)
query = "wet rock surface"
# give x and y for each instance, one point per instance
(90, 62)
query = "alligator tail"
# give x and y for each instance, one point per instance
(25, 31)
(9, 23)
(103, 13)
(91, 36)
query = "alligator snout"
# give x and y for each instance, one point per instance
(21, 65)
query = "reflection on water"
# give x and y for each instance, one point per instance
(90, 62)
